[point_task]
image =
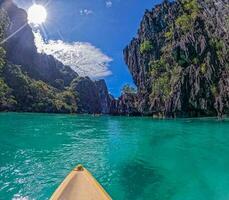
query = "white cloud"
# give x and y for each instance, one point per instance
(84, 58)
(86, 12)
(109, 4)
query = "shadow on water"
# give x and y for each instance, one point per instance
(136, 177)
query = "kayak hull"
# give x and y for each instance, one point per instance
(80, 185)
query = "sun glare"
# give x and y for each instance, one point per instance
(37, 14)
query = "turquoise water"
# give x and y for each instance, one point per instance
(133, 158)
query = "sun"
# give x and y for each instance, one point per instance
(37, 14)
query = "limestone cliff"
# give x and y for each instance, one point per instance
(179, 59)
(34, 82)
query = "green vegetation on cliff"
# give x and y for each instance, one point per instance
(7, 100)
(127, 89)
(189, 15)
(186, 72)
(166, 70)
(19, 92)
(37, 96)
(146, 47)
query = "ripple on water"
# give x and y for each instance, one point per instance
(133, 158)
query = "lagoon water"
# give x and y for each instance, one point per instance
(133, 158)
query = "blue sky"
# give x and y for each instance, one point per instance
(105, 26)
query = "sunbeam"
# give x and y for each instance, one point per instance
(13, 34)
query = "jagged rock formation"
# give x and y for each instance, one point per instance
(179, 62)
(126, 104)
(93, 96)
(180, 59)
(104, 96)
(35, 82)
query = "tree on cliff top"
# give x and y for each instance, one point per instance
(127, 89)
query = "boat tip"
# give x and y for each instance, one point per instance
(79, 168)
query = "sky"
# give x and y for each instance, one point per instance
(90, 35)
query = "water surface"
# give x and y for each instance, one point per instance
(133, 158)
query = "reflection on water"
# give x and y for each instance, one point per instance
(133, 158)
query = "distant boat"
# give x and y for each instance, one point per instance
(80, 185)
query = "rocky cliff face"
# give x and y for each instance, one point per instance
(104, 96)
(179, 59)
(35, 82)
(21, 50)
(93, 96)
(126, 104)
